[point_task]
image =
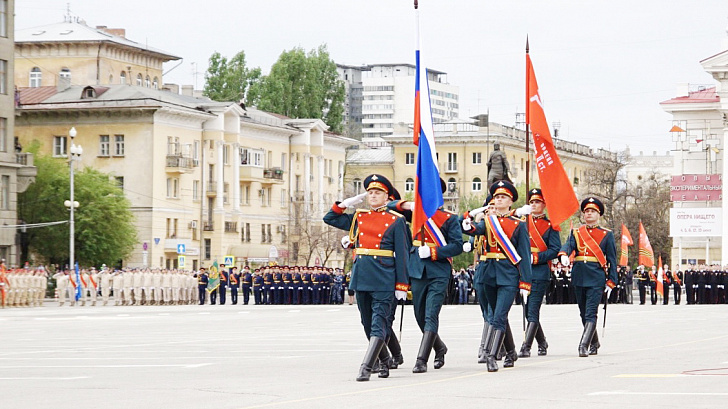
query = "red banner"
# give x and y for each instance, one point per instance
(647, 256)
(558, 193)
(696, 188)
(626, 241)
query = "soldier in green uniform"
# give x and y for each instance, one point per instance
(595, 266)
(376, 235)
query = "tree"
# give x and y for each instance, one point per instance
(229, 80)
(303, 85)
(104, 231)
(606, 180)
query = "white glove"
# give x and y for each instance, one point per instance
(531, 258)
(564, 260)
(400, 295)
(467, 224)
(524, 295)
(477, 211)
(607, 291)
(345, 242)
(407, 205)
(523, 210)
(353, 200)
(467, 247)
(424, 251)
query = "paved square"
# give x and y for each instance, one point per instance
(308, 356)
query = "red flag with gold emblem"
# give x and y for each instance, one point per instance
(558, 193)
(647, 257)
(626, 241)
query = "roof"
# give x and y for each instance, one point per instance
(78, 31)
(29, 96)
(370, 156)
(700, 96)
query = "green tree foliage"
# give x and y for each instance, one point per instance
(303, 85)
(105, 231)
(229, 80)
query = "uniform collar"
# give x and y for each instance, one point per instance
(539, 216)
(592, 226)
(380, 208)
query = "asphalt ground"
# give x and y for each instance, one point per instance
(252, 356)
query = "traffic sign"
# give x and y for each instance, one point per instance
(229, 260)
(181, 262)
(180, 248)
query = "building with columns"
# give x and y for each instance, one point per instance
(218, 179)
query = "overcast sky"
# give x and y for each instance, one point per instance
(602, 66)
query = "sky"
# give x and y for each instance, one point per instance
(602, 67)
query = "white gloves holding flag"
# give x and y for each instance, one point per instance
(523, 210)
(564, 260)
(524, 295)
(424, 251)
(467, 247)
(467, 224)
(352, 201)
(408, 205)
(345, 242)
(477, 211)
(400, 295)
(607, 291)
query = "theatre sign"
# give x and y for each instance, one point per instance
(696, 188)
(695, 222)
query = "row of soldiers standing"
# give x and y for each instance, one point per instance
(22, 287)
(285, 285)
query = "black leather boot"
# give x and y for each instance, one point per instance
(510, 346)
(384, 362)
(486, 348)
(483, 338)
(396, 349)
(428, 340)
(586, 337)
(440, 351)
(543, 346)
(496, 340)
(530, 334)
(594, 345)
(365, 370)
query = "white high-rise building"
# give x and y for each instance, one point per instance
(388, 90)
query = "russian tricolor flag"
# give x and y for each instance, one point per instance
(428, 194)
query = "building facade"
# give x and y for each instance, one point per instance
(16, 167)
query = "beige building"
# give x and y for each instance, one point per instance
(207, 177)
(463, 148)
(16, 167)
(72, 53)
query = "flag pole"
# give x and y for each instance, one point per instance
(528, 172)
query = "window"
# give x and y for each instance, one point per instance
(119, 182)
(172, 145)
(4, 18)
(3, 76)
(477, 185)
(140, 80)
(5, 193)
(452, 185)
(155, 83)
(59, 146)
(195, 190)
(3, 135)
(270, 234)
(409, 158)
(262, 194)
(357, 186)
(118, 145)
(196, 153)
(251, 157)
(35, 77)
(452, 161)
(283, 198)
(208, 248)
(226, 154)
(409, 185)
(246, 195)
(247, 232)
(103, 145)
(173, 188)
(477, 158)
(122, 78)
(283, 162)
(148, 82)
(65, 73)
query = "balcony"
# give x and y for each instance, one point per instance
(299, 195)
(211, 188)
(179, 164)
(231, 227)
(273, 173)
(208, 226)
(26, 172)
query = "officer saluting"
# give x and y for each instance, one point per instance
(505, 267)
(545, 245)
(377, 275)
(595, 265)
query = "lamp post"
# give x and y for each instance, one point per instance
(74, 154)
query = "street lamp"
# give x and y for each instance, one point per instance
(75, 155)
